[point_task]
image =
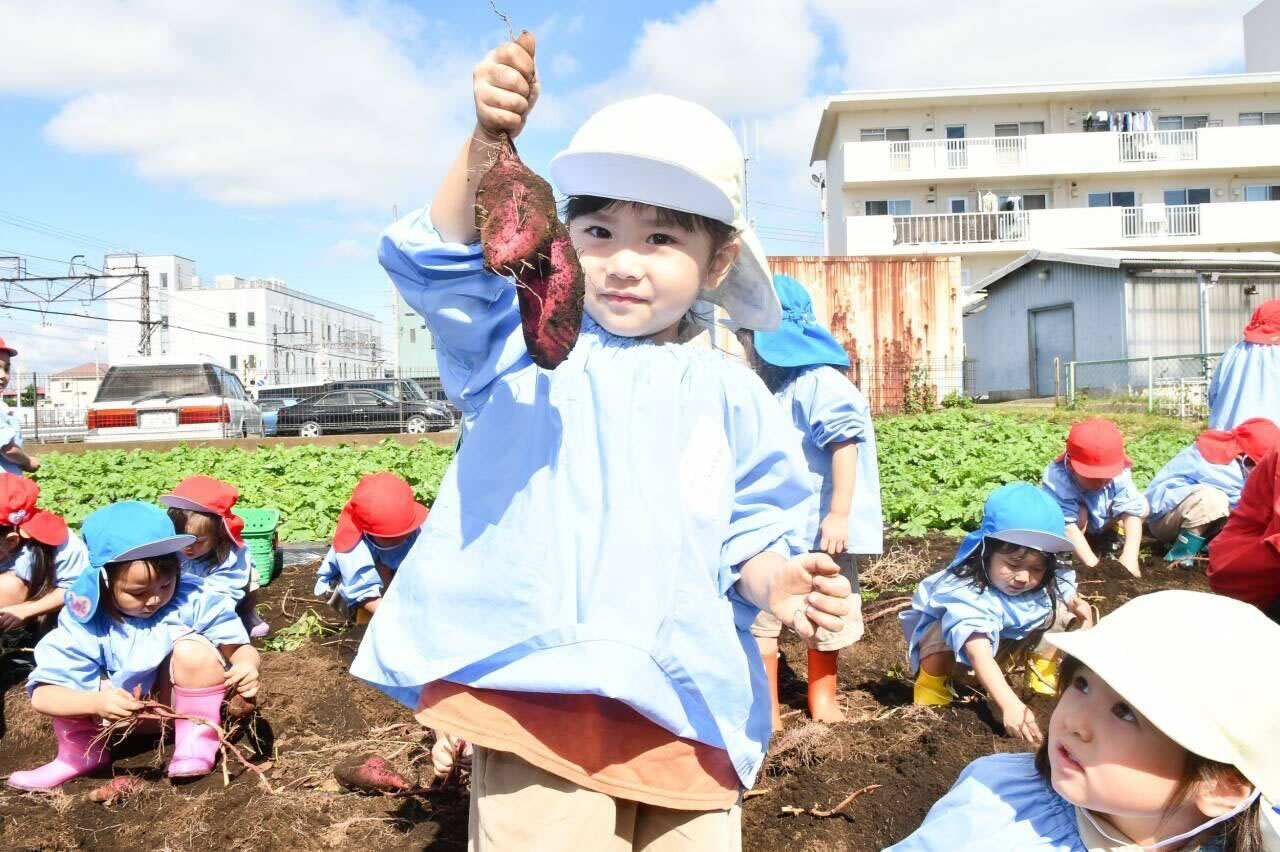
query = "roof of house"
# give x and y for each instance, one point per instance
(87, 370)
(1012, 93)
(1204, 261)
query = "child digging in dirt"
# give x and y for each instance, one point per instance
(201, 506)
(134, 624)
(376, 530)
(1091, 483)
(802, 364)
(578, 604)
(1003, 592)
(1159, 740)
(39, 556)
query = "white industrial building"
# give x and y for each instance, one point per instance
(259, 328)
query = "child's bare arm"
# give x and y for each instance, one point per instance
(806, 592)
(53, 700)
(1018, 719)
(1132, 525)
(844, 473)
(19, 456)
(505, 85)
(26, 610)
(1083, 551)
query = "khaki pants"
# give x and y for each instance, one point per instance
(767, 627)
(1204, 505)
(517, 807)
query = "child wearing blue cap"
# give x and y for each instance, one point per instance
(803, 365)
(1003, 591)
(134, 624)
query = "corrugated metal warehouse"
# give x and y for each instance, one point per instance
(1080, 305)
(898, 318)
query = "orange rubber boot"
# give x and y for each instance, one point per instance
(771, 671)
(822, 686)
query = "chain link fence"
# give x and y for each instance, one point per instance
(1172, 385)
(909, 386)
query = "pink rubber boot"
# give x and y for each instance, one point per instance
(76, 755)
(195, 746)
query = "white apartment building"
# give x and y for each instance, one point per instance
(75, 388)
(258, 328)
(989, 172)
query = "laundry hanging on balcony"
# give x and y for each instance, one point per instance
(1119, 121)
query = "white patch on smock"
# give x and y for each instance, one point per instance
(704, 470)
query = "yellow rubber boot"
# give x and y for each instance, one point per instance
(1042, 675)
(932, 690)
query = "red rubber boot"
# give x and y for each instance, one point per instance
(822, 687)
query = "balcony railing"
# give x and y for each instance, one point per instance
(1161, 220)
(1158, 146)
(958, 154)
(962, 228)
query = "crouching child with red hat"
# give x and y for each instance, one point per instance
(135, 625)
(201, 507)
(39, 556)
(1093, 486)
(376, 531)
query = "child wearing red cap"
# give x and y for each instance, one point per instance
(13, 459)
(1244, 559)
(1192, 496)
(39, 556)
(376, 531)
(201, 507)
(1246, 381)
(1092, 484)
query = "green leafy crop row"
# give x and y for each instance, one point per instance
(309, 485)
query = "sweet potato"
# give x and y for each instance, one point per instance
(523, 238)
(117, 789)
(370, 773)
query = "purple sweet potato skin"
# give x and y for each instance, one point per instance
(524, 238)
(370, 773)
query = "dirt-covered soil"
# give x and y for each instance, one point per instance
(314, 715)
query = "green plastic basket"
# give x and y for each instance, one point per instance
(260, 537)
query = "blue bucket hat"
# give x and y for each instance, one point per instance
(1020, 514)
(120, 532)
(800, 340)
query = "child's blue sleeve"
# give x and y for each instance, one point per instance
(472, 314)
(966, 612)
(772, 483)
(998, 802)
(354, 574)
(833, 407)
(1057, 484)
(213, 616)
(71, 560)
(69, 656)
(328, 574)
(9, 434)
(1128, 500)
(231, 578)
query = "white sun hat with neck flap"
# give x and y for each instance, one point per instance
(669, 152)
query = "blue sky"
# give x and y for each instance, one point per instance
(272, 138)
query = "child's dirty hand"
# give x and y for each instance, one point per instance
(506, 87)
(835, 534)
(10, 618)
(807, 593)
(115, 704)
(243, 679)
(1130, 563)
(1020, 722)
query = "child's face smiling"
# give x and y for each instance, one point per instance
(1016, 573)
(139, 590)
(641, 276)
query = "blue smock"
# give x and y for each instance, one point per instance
(10, 435)
(588, 535)
(353, 574)
(1177, 479)
(1245, 383)
(69, 559)
(130, 652)
(1118, 497)
(963, 611)
(229, 577)
(828, 408)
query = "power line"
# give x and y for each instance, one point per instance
(56, 231)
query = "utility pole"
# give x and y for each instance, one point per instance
(144, 333)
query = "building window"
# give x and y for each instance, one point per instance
(1256, 119)
(231, 319)
(1113, 199)
(1182, 122)
(413, 335)
(893, 207)
(1186, 196)
(232, 361)
(250, 320)
(1020, 128)
(885, 134)
(1262, 192)
(164, 280)
(958, 204)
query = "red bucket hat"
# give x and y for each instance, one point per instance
(18, 497)
(1264, 327)
(206, 494)
(382, 504)
(1253, 438)
(7, 349)
(1095, 448)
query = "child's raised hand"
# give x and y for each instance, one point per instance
(505, 85)
(808, 593)
(243, 678)
(115, 704)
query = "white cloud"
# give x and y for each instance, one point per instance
(347, 250)
(250, 104)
